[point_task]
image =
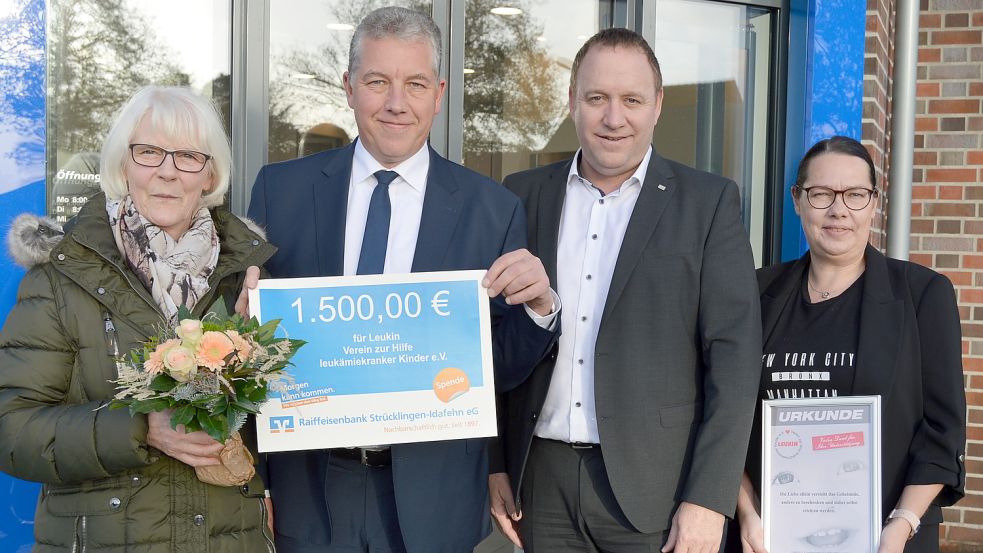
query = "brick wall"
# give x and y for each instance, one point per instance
(947, 194)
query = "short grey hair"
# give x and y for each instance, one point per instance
(395, 22)
(181, 116)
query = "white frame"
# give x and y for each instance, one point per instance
(871, 447)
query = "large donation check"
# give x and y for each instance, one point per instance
(389, 359)
(820, 481)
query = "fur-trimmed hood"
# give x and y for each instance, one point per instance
(32, 237)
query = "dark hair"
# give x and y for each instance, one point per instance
(616, 37)
(834, 145)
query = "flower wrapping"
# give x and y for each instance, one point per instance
(212, 373)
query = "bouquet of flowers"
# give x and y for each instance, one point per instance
(212, 373)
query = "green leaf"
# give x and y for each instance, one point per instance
(257, 395)
(163, 383)
(218, 309)
(220, 404)
(215, 426)
(146, 406)
(184, 313)
(246, 405)
(184, 415)
(267, 331)
(206, 402)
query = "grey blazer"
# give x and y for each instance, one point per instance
(678, 351)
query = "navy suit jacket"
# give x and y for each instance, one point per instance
(468, 221)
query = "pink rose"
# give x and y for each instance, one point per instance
(213, 349)
(190, 331)
(180, 363)
(154, 364)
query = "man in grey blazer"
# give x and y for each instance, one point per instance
(631, 435)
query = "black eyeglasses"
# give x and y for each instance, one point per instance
(149, 155)
(821, 197)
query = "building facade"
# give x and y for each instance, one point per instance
(750, 85)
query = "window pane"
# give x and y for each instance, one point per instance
(715, 62)
(309, 42)
(100, 53)
(517, 72)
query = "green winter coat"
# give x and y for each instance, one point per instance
(105, 490)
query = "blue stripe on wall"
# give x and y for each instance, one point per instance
(22, 189)
(825, 89)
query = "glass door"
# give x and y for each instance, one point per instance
(517, 60)
(100, 53)
(309, 40)
(716, 61)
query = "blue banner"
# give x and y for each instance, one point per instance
(22, 188)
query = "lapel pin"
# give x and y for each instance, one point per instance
(662, 187)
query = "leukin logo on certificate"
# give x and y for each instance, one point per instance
(788, 443)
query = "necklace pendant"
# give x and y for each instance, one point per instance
(825, 295)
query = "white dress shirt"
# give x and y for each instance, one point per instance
(592, 227)
(406, 195)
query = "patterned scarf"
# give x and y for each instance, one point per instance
(174, 271)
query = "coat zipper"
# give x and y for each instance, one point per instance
(84, 536)
(75, 542)
(112, 338)
(265, 528)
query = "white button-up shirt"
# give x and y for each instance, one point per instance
(592, 227)
(406, 195)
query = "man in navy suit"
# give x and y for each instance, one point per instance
(388, 203)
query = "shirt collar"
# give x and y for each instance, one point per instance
(638, 176)
(413, 170)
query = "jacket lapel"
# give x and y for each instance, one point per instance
(330, 211)
(441, 210)
(658, 188)
(881, 326)
(550, 210)
(777, 296)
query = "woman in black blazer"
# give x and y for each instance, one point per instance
(881, 327)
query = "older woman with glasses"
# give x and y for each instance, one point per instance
(155, 239)
(845, 320)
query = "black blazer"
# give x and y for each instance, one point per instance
(909, 353)
(679, 345)
(468, 221)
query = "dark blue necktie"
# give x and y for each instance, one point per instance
(372, 260)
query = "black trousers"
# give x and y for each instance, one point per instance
(568, 505)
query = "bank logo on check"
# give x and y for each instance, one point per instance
(281, 424)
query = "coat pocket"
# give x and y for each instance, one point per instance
(90, 514)
(680, 415)
(100, 497)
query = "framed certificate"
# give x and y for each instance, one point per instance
(821, 475)
(389, 359)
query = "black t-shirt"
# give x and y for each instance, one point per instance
(813, 349)
(811, 353)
